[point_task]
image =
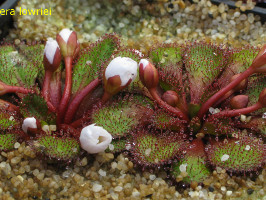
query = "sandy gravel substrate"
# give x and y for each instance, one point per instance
(142, 24)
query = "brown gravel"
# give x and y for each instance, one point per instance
(105, 176)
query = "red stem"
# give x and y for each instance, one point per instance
(175, 111)
(51, 106)
(74, 105)
(237, 112)
(228, 94)
(14, 89)
(77, 123)
(45, 89)
(55, 88)
(205, 107)
(67, 90)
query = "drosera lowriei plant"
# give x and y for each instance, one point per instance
(191, 107)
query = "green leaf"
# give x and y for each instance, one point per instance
(56, 148)
(204, 62)
(8, 120)
(35, 106)
(7, 141)
(16, 69)
(118, 145)
(122, 115)
(244, 57)
(255, 86)
(155, 148)
(244, 154)
(196, 168)
(34, 54)
(168, 60)
(165, 55)
(91, 60)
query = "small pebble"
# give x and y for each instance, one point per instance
(96, 187)
(250, 191)
(211, 189)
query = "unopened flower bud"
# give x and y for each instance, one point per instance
(242, 85)
(239, 101)
(67, 41)
(29, 122)
(149, 75)
(259, 63)
(52, 55)
(262, 98)
(94, 139)
(170, 97)
(119, 74)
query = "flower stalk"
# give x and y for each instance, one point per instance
(74, 105)
(69, 47)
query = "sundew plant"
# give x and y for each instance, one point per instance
(188, 108)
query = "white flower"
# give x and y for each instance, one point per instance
(29, 122)
(124, 67)
(224, 158)
(264, 116)
(94, 139)
(50, 49)
(65, 34)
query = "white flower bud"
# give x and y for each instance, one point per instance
(65, 34)
(145, 63)
(29, 122)
(50, 50)
(94, 139)
(124, 67)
